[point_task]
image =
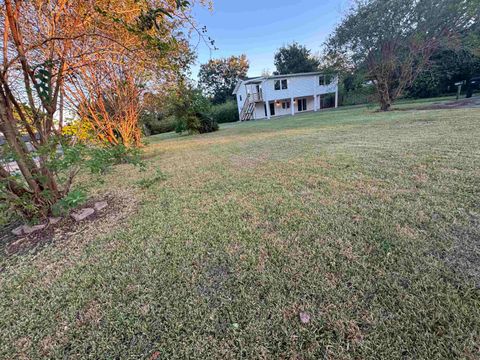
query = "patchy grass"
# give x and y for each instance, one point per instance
(367, 222)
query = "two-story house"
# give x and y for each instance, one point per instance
(277, 95)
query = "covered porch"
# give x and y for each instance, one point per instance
(298, 105)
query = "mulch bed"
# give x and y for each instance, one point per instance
(19, 245)
(458, 104)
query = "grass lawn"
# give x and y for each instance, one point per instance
(367, 222)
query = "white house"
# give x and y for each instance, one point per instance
(277, 95)
(12, 166)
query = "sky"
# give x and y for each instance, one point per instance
(258, 28)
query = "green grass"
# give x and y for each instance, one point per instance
(356, 217)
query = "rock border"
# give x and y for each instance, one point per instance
(78, 216)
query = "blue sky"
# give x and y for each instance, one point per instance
(258, 28)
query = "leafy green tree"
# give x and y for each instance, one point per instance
(295, 58)
(448, 67)
(192, 110)
(394, 40)
(218, 77)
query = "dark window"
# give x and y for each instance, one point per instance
(281, 84)
(325, 80)
(272, 109)
(302, 104)
(240, 97)
(327, 101)
(286, 105)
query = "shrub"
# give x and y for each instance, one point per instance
(207, 123)
(5, 215)
(197, 123)
(225, 113)
(79, 129)
(158, 123)
(426, 85)
(63, 158)
(73, 199)
(192, 109)
(359, 96)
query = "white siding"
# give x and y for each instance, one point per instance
(280, 111)
(251, 88)
(302, 86)
(298, 87)
(241, 94)
(259, 111)
(310, 104)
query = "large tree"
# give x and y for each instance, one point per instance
(218, 77)
(295, 58)
(394, 40)
(50, 49)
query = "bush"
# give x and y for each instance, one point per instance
(6, 215)
(207, 124)
(154, 124)
(191, 109)
(225, 113)
(426, 85)
(362, 95)
(198, 123)
(63, 158)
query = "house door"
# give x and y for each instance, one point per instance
(272, 109)
(302, 104)
(258, 89)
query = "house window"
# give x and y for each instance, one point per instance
(302, 104)
(241, 98)
(325, 80)
(281, 84)
(286, 105)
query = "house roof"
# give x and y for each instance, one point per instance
(259, 79)
(240, 81)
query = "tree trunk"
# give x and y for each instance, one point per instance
(38, 178)
(385, 104)
(384, 96)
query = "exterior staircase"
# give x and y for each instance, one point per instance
(248, 109)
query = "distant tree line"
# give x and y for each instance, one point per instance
(382, 50)
(416, 47)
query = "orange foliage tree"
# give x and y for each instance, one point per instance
(91, 57)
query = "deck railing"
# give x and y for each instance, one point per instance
(256, 97)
